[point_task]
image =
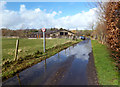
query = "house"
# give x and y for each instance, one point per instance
(62, 33)
(35, 35)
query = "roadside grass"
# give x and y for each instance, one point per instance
(106, 71)
(26, 47)
(31, 52)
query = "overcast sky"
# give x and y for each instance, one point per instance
(68, 15)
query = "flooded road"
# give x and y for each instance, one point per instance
(68, 67)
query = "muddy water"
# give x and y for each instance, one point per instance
(68, 67)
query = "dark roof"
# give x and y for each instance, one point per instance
(52, 31)
(62, 30)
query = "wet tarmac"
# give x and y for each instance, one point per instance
(68, 67)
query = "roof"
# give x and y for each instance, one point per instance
(52, 31)
(62, 30)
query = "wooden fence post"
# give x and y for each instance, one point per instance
(16, 51)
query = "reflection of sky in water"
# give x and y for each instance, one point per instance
(80, 51)
(37, 73)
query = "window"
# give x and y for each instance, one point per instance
(66, 33)
(61, 33)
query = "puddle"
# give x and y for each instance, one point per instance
(68, 67)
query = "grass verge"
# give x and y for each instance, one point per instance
(105, 67)
(26, 47)
(10, 68)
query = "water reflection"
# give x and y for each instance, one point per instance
(58, 55)
(45, 64)
(66, 67)
(65, 51)
(73, 46)
(18, 77)
(60, 71)
(81, 50)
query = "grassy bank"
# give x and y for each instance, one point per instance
(106, 70)
(26, 47)
(31, 52)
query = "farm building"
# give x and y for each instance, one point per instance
(35, 35)
(62, 33)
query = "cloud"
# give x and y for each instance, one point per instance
(79, 21)
(22, 8)
(60, 12)
(38, 18)
(83, 50)
(2, 5)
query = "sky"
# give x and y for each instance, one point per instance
(68, 15)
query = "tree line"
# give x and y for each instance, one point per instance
(23, 33)
(107, 30)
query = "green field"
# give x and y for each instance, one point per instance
(106, 70)
(26, 47)
(30, 52)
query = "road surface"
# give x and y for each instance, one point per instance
(72, 66)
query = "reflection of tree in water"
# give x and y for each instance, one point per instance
(74, 45)
(58, 55)
(82, 48)
(65, 51)
(59, 74)
(45, 65)
(18, 77)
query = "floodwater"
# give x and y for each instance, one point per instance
(68, 67)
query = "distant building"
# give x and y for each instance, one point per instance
(35, 35)
(62, 33)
